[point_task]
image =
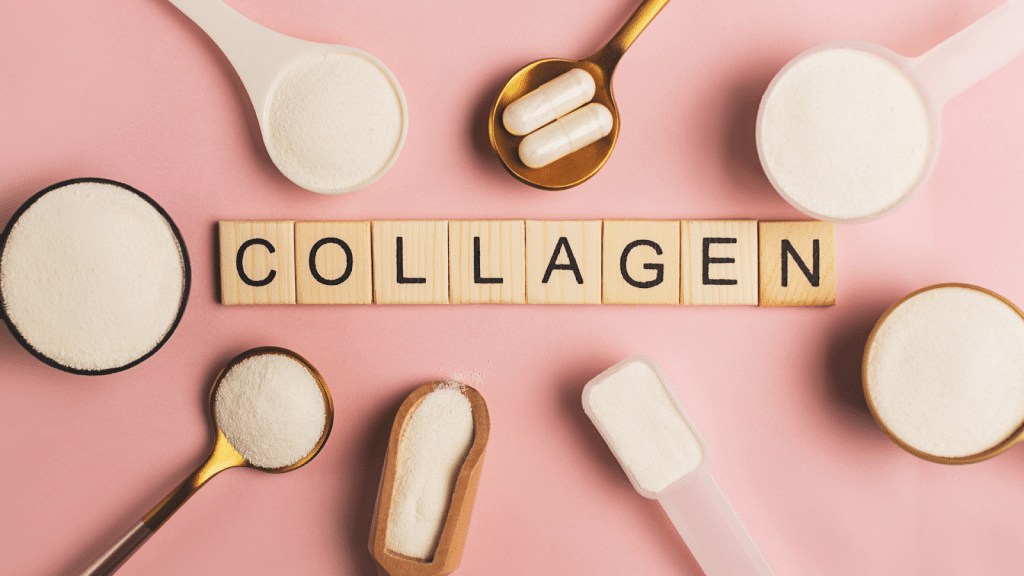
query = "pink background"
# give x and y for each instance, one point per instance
(132, 90)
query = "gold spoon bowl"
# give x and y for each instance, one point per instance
(579, 166)
(222, 457)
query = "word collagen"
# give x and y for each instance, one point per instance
(730, 262)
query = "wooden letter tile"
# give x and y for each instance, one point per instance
(798, 263)
(257, 262)
(719, 262)
(641, 262)
(333, 263)
(487, 261)
(563, 262)
(410, 261)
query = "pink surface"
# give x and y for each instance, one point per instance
(132, 90)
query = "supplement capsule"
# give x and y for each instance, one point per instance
(565, 135)
(553, 99)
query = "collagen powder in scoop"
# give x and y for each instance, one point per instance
(844, 134)
(335, 122)
(271, 410)
(93, 276)
(644, 427)
(433, 446)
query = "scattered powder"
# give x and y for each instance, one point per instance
(432, 448)
(92, 276)
(334, 122)
(643, 427)
(271, 409)
(945, 371)
(845, 133)
(467, 376)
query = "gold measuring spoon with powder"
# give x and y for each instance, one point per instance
(552, 144)
(666, 458)
(333, 117)
(943, 373)
(272, 411)
(435, 454)
(849, 131)
(94, 276)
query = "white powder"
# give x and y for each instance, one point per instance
(845, 133)
(643, 426)
(433, 445)
(92, 276)
(271, 409)
(945, 371)
(335, 122)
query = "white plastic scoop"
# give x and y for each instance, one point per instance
(666, 458)
(854, 153)
(333, 118)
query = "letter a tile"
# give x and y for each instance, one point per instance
(563, 262)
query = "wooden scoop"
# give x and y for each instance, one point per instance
(448, 554)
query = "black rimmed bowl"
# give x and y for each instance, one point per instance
(94, 276)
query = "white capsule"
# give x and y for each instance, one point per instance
(553, 99)
(565, 135)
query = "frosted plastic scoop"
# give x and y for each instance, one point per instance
(804, 147)
(351, 111)
(667, 459)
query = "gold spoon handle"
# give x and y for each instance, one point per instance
(116, 555)
(222, 458)
(610, 54)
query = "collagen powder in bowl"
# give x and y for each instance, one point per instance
(944, 373)
(94, 276)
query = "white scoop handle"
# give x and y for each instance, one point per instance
(258, 54)
(710, 527)
(974, 53)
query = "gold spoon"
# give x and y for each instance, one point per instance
(224, 456)
(448, 553)
(579, 166)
